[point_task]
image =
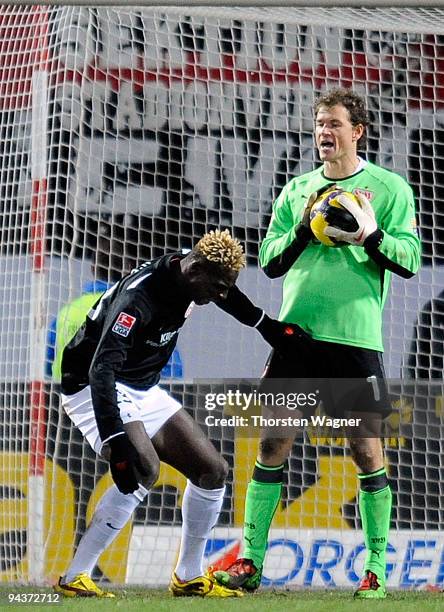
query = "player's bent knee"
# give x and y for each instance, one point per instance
(274, 449)
(149, 471)
(216, 477)
(148, 481)
(367, 458)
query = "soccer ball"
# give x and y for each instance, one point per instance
(328, 211)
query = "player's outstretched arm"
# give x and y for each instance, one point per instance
(281, 336)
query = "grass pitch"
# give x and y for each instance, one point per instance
(136, 599)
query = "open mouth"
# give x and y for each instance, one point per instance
(326, 145)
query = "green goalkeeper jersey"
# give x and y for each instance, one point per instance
(338, 294)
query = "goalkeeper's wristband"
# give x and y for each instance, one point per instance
(303, 234)
(371, 246)
(374, 240)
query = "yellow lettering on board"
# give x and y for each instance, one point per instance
(58, 521)
(58, 517)
(14, 468)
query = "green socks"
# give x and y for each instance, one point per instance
(263, 495)
(375, 506)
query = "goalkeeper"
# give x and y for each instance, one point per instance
(337, 295)
(110, 371)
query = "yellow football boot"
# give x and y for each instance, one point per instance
(81, 586)
(202, 586)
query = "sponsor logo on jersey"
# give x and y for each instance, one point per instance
(164, 338)
(414, 226)
(367, 194)
(123, 324)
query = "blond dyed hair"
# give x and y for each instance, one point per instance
(218, 246)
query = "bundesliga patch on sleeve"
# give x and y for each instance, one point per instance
(124, 324)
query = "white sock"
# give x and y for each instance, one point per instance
(111, 515)
(200, 511)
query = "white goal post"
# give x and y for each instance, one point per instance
(126, 132)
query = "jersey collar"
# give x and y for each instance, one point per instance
(359, 168)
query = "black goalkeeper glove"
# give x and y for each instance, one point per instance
(284, 337)
(123, 462)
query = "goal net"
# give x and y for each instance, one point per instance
(129, 132)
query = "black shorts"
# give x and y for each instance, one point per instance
(346, 378)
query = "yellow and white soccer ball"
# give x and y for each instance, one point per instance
(328, 211)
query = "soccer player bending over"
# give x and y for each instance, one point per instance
(337, 296)
(110, 371)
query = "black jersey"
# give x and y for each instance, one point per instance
(128, 336)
